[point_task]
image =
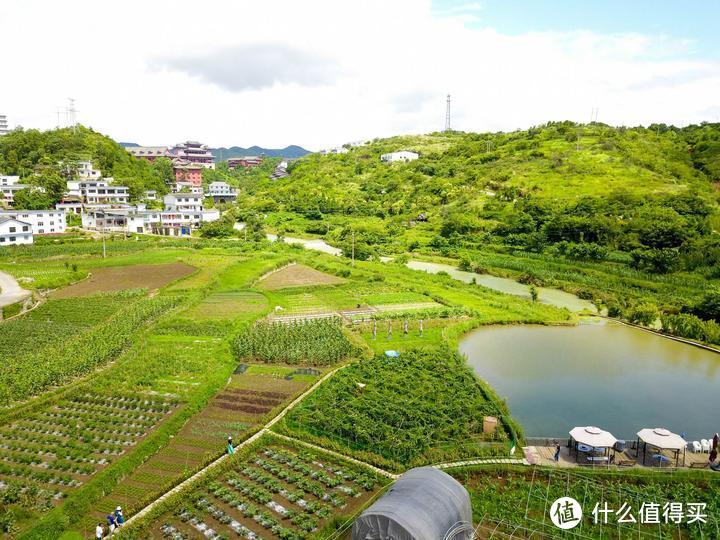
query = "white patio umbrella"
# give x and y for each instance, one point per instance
(661, 438)
(593, 436)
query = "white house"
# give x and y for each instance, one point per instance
(98, 192)
(9, 180)
(151, 195)
(41, 221)
(221, 191)
(403, 155)
(85, 171)
(336, 150)
(183, 202)
(186, 187)
(14, 232)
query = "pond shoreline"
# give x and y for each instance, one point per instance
(686, 341)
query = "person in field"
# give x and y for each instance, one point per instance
(119, 518)
(112, 523)
(230, 448)
(99, 531)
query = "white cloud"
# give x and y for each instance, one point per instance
(325, 72)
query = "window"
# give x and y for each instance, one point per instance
(2, 238)
(41, 231)
(25, 228)
(12, 238)
(12, 229)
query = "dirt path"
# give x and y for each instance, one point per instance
(10, 291)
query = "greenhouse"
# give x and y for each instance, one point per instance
(423, 504)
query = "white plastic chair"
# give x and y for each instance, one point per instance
(705, 445)
(696, 446)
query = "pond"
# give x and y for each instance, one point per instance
(553, 297)
(603, 373)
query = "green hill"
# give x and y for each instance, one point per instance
(35, 155)
(626, 216)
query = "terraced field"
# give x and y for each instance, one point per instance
(277, 491)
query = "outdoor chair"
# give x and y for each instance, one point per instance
(696, 446)
(705, 445)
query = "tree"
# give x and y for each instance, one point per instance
(32, 199)
(709, 307)
(221, 228)
(645, 314)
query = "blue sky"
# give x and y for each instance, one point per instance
(695, 20)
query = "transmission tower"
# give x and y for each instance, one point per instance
(447, 115)
(71, 110)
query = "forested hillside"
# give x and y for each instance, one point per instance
(36, 155)
(626, 216)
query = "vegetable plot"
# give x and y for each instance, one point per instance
(278, 492)
(56, 449)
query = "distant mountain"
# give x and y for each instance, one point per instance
(292, 151)
(222, 154)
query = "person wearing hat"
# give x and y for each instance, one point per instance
(119, 518)
(230, 449)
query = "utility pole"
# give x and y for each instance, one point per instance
(353, 247)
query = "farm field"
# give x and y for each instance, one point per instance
(274, 490)
(297, 275)
(317, 342)
(248, 401)
(228, 367)
(505, 498)
(117, 278)
(51, 452)
(424, 407)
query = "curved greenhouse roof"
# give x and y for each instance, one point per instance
(423, 504)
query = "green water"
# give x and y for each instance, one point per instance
(509, 286)
(604, 374)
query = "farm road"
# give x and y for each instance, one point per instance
(10, 291)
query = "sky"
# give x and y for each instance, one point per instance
(321, 73)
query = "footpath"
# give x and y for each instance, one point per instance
(10, 291)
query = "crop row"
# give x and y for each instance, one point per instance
(33, 373)
(314, 342)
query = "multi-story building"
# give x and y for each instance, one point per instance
(183, 202)
(99, 192)
(151, 195)
(221, 191)
(4, 125)
(85, 171)
(14, 232)
(194, 152)
(150, 153)
(245, 161)
(40, 221)
(187, 171)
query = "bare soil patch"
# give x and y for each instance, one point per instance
(118, 278)
(297, 275)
